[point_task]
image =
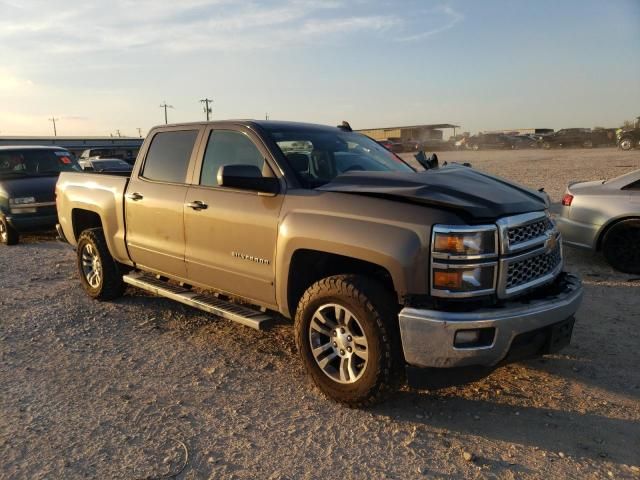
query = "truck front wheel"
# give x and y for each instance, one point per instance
(347, 335)
(100, 275)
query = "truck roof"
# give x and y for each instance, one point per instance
(265, 124)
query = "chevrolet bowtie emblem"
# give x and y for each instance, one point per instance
(551, 242)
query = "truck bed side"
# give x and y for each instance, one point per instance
(83, 198)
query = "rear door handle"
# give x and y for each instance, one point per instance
(197, 205)
(134, 196)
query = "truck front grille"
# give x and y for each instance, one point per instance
(524, 233)
(531, 253)
(533, 268)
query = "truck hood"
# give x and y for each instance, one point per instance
(41, 187)
(478, 195)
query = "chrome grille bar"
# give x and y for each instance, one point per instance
(531, 253)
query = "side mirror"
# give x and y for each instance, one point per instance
(247, 177)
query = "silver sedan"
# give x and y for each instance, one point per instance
(605, 216)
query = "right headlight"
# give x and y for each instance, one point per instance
(464, 260)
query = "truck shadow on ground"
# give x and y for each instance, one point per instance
(575, 434)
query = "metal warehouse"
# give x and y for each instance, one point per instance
(414, 132)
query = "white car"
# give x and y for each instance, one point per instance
(604, 215)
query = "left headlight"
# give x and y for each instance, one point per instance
(464, 242)
(464, 260)
(22, 200)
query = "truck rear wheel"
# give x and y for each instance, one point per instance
(8, 234)
(620, 246)
(100, 274)
(346, 333)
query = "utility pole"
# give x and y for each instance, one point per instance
(53, 119)
(139, 132)
(207, 109)
(165, 106)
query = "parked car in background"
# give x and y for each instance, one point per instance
(628, 138)
(28, 177)
(104, 165)
(605, 216)
(522, 141)
(126, 154)
(410, 146)
(435, 145)
(568, 137)
(395, 147)
(603, 137)
(488, 141)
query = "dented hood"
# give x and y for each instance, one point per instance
(456, 187)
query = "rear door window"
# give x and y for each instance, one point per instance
(169, 155)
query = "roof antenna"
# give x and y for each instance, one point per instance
(344, 126)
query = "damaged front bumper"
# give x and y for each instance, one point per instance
(487, 336)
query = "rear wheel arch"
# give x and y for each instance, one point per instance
(82, 220)
(612, 223)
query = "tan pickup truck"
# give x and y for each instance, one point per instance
(385, 270)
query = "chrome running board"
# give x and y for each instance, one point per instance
(202, 301)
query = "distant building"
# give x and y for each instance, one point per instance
(418, 133)
(125, 146)
(521, 131)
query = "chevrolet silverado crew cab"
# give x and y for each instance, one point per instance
(388, 272)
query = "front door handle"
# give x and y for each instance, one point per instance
(197, 205)
(134, 196)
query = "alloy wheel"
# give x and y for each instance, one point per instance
(338, 343)
(91, 266)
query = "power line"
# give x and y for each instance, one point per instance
(206, 107)
(53, 119)
(165, 106)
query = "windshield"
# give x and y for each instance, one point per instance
(36, 162)
(318, 156)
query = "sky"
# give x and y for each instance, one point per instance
(102, 66)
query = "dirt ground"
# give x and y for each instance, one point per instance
(145, 388)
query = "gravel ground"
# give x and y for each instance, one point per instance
(146, 388)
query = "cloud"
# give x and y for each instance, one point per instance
(452, 18)
(77, 27)
(11, 82)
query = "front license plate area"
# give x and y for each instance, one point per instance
(560, 335)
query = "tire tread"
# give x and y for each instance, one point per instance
(371, 296)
